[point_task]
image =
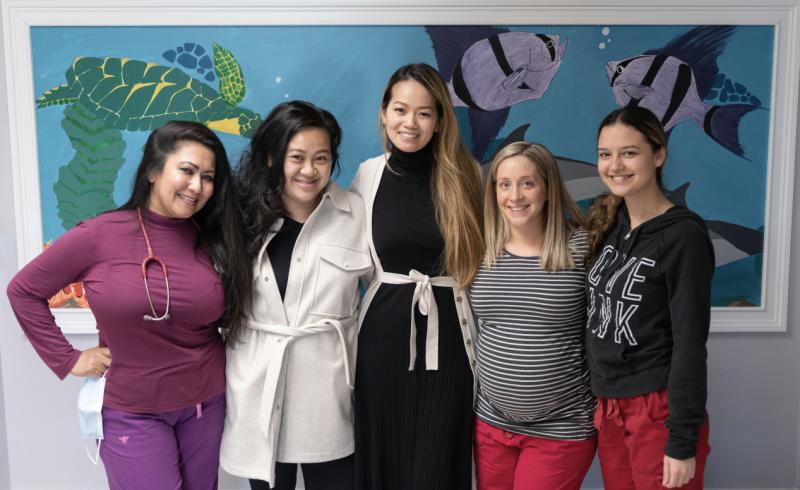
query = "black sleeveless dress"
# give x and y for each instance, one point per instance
(413, 429)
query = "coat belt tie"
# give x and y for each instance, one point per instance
(424, 298)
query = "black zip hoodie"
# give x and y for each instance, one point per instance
(648, 293)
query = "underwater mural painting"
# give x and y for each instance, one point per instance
(100, 91)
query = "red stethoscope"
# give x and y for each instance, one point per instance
(152, 258)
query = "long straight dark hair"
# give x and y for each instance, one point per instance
(259, 178)
(219, 220)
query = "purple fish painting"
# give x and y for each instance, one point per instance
(505, 69)
(672, 82)
(489, 69)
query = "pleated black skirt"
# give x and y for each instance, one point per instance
(413, 429)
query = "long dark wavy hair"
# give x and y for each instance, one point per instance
(219, 220)
(260, 184)
(603, 214)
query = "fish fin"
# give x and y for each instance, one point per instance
(562, 48)
(637, 91)
(515, 81)
(722, 124)
(514, 136)
(576, 170)
(746, 239)
(678, 195)
(699, 48)
(450, 43)
(485, 126)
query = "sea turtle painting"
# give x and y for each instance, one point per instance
(135, 95)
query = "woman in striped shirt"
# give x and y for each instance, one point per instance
(534, 407)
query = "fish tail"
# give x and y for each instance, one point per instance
(722, 124)
(485, 125)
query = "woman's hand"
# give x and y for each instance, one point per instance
(93, 362)
(677, 472)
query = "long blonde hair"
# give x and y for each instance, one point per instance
(456, 183)
(561, 214)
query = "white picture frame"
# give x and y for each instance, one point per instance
(19, 16)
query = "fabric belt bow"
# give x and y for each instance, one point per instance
(423, 297)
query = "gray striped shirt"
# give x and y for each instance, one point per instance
(532, 368)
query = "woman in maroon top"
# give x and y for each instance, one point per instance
(161, 354)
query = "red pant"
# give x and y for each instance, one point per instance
(508, 461)
(631, 437)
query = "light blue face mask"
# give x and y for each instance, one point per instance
(90, 406)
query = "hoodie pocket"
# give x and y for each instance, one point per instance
(607, 359)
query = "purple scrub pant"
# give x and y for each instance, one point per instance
(176, 450)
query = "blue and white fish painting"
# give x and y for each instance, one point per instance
(490, 69)
(673, 81)
(505, 69)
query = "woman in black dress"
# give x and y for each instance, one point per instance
(414, 374)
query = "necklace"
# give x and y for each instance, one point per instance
(647, 218)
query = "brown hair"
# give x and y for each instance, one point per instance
(603, 213)
(456, 183)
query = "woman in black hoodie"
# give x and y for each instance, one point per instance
(648, 310)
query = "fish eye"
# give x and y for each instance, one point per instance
(550, 44)
(620, 69)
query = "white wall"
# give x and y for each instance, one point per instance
(4, 481)
(754, 390)
(8, 252)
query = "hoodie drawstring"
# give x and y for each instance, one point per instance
(608, 408)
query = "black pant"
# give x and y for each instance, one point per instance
(330, 475)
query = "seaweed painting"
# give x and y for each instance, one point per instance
(105, 96)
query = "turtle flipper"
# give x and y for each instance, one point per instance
(248, 122)
(231, 80)
(63, 94)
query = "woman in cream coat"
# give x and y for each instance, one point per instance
(290, 369)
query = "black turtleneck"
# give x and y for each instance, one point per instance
(404, 225)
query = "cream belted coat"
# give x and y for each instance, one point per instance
(366, 183)
(289, 379)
